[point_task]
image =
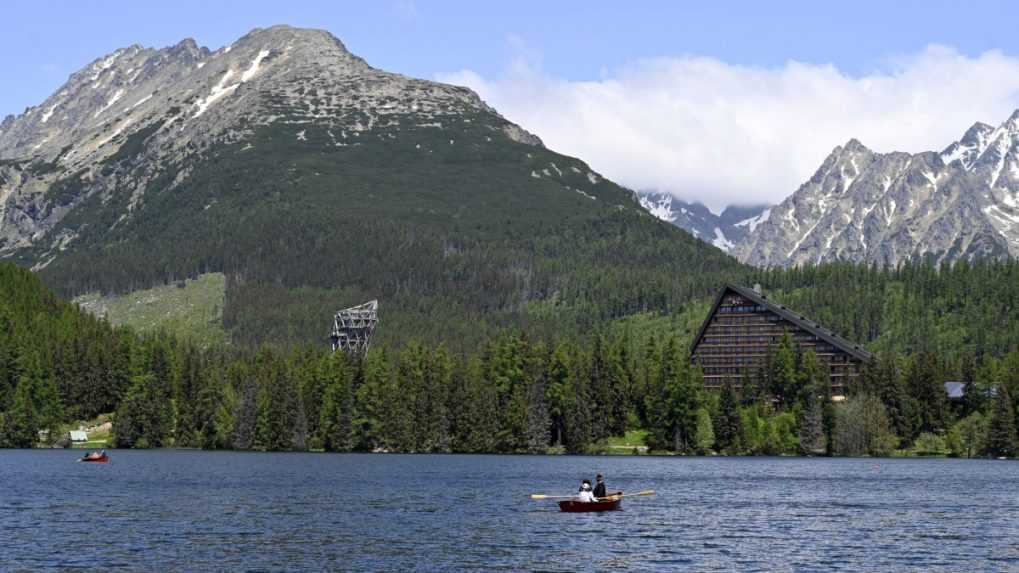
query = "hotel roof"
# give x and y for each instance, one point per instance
(851, 348)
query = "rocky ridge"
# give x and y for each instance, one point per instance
(171, 105)
(888, 208)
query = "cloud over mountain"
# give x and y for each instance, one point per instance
(707, 130)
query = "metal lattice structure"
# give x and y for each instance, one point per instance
(353, 328)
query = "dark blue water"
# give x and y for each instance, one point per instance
(200, 511)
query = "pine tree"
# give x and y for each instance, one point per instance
(812, 397)
(336, 423)
(727, 424)
(602, 388)
(539, 422)
(578, 433)
(557, 389)
(1001, 432)
(214, 411)
(245, 416)
(20, 424)
(972, 397)
(704, 437)
(145, 416)
(926, 388)
(438, 380)
(368, 403)
(782, 376)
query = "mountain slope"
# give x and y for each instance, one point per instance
(860, 205)
(314, 181)
(723, 230)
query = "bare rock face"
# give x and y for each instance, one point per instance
(172, 104)
(962, 203)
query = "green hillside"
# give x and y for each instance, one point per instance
(458, 232)
(190, 309)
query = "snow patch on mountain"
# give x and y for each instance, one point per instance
(720, 241)
(887, 208)
(752, 222)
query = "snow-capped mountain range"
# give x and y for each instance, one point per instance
(887, 208)
(724, 230)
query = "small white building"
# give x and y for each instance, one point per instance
(79, 436)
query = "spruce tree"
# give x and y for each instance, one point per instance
(368, 403)
(727, 424)
(783, 376)
(245, 415)
(704, 437)
(812, 397)
(557, 389)
(438, 380)
(19, 426)
(1001, 432)
(336, 413)
(145, 416)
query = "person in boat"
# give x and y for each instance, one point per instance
(586, 495)
(599, 487)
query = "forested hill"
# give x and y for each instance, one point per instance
(60, 367)
(315, 182)
(954, 310)
(56, 362)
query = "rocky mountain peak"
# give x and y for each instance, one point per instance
(163, 107)
(854, 146)
(891, 207)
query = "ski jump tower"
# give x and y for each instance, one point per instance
(353, 328)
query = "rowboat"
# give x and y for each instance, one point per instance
(574, 506)
(99, 460)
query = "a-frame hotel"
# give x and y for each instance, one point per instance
(744, 326)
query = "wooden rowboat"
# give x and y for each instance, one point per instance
(574, 506)
(99, 460)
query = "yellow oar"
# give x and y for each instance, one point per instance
(645, 492)
(639, 493)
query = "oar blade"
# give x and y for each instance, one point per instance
(538, 496)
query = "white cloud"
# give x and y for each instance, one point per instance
(720, 133)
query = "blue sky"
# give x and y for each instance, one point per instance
(517, 53)
(577, 40)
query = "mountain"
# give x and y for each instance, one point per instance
(962, 203)
(314, 181)
(723, 230)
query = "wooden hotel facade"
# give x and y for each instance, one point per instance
(744, 326)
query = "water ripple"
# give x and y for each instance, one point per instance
(188, 510)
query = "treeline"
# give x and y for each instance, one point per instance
(515, 394)
(958, 310)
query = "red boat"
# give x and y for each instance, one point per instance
(98, 459)
(574, 506)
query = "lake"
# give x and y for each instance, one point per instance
(168, 510)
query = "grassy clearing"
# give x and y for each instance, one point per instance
(191, 309)
(629, 443)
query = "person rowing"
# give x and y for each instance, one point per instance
(599, 488)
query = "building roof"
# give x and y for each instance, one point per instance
(955, 389)
(851, 348)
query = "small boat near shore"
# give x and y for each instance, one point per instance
(574, 506)
(102, 458)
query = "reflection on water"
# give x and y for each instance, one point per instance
(189, 510)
